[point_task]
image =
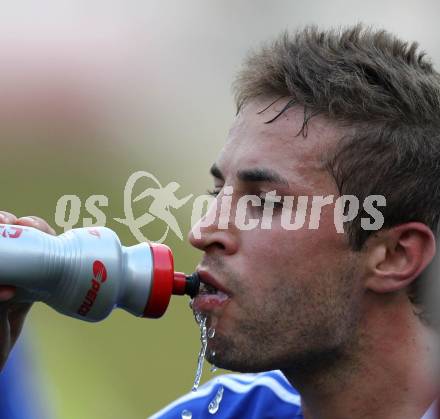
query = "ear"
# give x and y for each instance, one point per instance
(397, 256)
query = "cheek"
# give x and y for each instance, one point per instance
(267, 258)
(269, 255)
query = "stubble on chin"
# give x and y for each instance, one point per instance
(301, 331)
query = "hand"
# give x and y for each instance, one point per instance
(12, 315)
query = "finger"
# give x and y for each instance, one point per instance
(6, 292)
(5, 335)
(36, 222)
(17, 315)
(7, 218)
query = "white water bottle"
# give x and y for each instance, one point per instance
(86, 273)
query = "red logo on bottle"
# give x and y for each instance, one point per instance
(10, 232)
(99, 277)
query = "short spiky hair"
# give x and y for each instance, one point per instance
(351, 75)
(386, 91)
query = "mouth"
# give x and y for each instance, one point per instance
(212, 295)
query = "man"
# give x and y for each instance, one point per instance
(320, 114)
(323, 115)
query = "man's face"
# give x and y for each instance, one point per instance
(294, 296)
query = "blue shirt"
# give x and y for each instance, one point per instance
(19, 386)
(245, 396)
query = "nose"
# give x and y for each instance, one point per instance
(206, 235)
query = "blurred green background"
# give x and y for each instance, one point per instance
(95, 91)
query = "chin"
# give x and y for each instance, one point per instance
(229, 358)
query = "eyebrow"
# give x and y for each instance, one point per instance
(253, 175)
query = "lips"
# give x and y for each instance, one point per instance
(210, 284)
(212, 295)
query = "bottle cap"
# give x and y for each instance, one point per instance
(162, 281)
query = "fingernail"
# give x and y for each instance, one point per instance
(28, 220)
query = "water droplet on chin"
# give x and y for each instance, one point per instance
(186, 414)
(211, 332)
(201, 319)
(213, 368)
(215, 403)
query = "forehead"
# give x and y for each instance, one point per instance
(253, 143)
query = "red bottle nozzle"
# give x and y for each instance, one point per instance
(179, 283)
(186, 284)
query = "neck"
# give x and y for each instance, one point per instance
(388, 372)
